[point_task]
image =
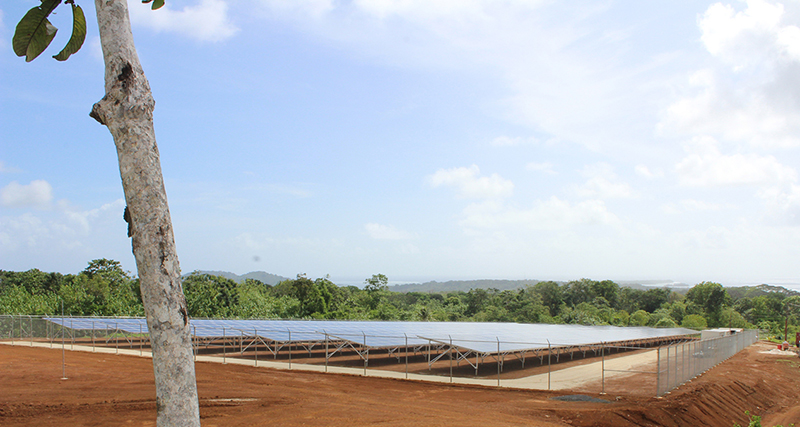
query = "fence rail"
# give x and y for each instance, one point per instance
(679, 363)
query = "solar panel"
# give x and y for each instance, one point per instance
(475, 336)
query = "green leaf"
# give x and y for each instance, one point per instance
(34, 31)
(78, 34)
(157, 4)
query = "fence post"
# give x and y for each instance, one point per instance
(450, 352)
(406, 335)
(683, 362)
(194, 341)
(366, 359)
(549, 348)
(498, 361)
(290, 350)
(658, 372)
(603, 364)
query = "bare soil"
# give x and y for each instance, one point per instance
(107, 389)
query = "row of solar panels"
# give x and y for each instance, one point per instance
(478, 337)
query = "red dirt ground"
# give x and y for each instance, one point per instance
(105, 389)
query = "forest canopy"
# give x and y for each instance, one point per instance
(103, 288)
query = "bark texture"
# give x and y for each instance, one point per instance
(127, 111)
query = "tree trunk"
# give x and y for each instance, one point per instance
(127, 111)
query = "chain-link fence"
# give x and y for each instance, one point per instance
(679, 363)
(23, 329)
(673, 360)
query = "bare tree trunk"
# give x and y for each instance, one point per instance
(127, 111)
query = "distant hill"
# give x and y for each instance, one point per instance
(462, 285)
(466, 285)
(262, 276)
(760, 290)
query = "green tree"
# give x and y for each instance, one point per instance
(376, 287)
(477, 300)
(694, 321)
(639, 318)
(210, 296)
(608, 290)
(652, 299)
(551, 296)
(711, 297)
(578, 291)
(376, 283)
(665, 322)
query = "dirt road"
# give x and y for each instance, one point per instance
(107, 389)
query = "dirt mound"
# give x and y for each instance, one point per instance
(105, 389)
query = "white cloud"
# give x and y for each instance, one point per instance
(706, 166)
(64, 238)
(699, 205)
(470, 185)
(690, 205)
(603, 183)
(387, 232)
(312, 8)
(207, 21)
(715, 237)
(37, 194)
(550, 215)
(645, 172)
(740, 38)
(82, 220)
(750, 94)
(561, 67)
(783, 204)
(507, 141)
(545, 167)
(7, 169)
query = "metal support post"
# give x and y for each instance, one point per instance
(450, 352)
(366, 359)
(603, 354)
(548, 364)
(658, 372)
(498, 361)
(404, 334)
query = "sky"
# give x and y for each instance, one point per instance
(425, 140)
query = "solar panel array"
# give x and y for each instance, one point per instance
(478, 337)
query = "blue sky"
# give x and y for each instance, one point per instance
(450, 139)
